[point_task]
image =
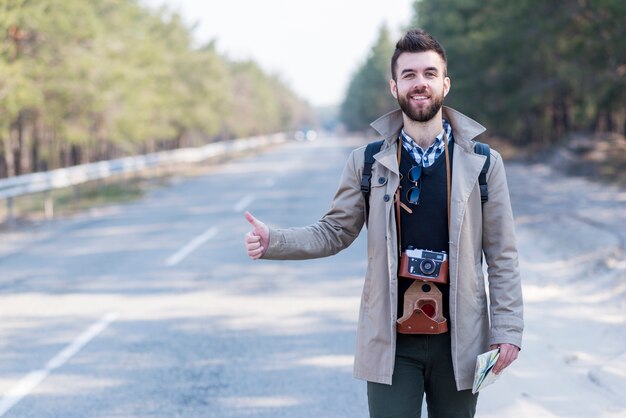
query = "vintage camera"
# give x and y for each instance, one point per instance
(427, 265)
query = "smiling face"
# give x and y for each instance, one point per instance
(420, 84)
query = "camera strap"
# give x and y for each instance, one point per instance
(397, 195)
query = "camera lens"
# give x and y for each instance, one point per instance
(427, 267)
(425, 288)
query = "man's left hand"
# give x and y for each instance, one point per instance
(508, 354)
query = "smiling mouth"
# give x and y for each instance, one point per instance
(419, 97)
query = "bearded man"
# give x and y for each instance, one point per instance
(425, 199)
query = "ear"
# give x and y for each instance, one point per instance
(394, 88)
(446, 86)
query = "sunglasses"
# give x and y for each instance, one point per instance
(415, 176)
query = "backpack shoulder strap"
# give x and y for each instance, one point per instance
(366, 179)
(483, 149)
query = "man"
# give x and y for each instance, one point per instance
(401, 367)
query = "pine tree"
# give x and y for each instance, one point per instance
(368, 95)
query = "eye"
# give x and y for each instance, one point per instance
(431, 74)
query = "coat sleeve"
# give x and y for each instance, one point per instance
(500, 248)
(337, 229)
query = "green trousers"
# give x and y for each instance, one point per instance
(423, 366)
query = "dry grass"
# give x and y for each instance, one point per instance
(599, 156)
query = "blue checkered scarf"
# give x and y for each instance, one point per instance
(428, 157)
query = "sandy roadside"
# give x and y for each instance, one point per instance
(572, 240)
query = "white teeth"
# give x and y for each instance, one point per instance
(418, 97)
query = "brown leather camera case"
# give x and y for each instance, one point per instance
(423, 313)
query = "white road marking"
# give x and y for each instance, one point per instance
(33, 379)
(243, 203)
(189, 248)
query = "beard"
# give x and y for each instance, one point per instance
(421, 115)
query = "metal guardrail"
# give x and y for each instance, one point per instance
(65, 177)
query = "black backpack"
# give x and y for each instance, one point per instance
(373, 148)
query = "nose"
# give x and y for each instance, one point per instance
(419, 84)
(419, 81)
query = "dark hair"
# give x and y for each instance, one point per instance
(417, 40)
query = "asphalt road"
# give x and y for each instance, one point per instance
(152, 309)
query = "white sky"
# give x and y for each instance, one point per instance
(314, 45)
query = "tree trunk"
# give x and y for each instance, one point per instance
(63, 154)
(600, 121)
(38, 144)
(24, 142)
(559, 117)
(34, 149)
(7, 145)
(14, 151)
(75, 155)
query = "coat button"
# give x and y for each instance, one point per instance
(381, 180)
(386, 198)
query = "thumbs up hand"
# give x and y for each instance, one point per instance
(258, 239)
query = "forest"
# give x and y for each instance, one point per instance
(90, 80)
(532, 71)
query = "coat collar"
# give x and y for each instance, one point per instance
(464, 129)
(467, 163)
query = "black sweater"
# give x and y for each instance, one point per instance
(427, 227)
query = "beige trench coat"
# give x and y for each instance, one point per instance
(474, 323)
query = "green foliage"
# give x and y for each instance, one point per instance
(82, 80)
(533, 70)
(368, 95)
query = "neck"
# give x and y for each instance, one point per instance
(423, 133)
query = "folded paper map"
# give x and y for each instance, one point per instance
(484, 374)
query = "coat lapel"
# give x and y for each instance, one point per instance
(388, 157)
(389, 126)
(467, 167)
